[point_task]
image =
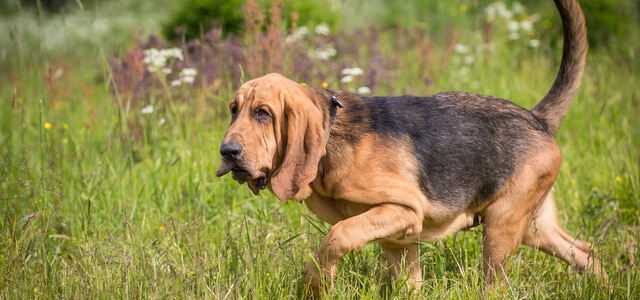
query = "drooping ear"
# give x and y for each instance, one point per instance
(304, 149)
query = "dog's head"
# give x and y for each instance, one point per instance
(276, 138)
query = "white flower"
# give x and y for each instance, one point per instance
(526, 26)
(353, 71)
(514, 36)
(517, 8)
(468, 59)
(162, 121)
(187, 75)
(504, 13)
(324, 54)
(497, 9)
(156, 60)
(147, 109)
(189, 80)
(300, 33)
(190, 72)
(364, 90)
(172, 52)
(513, 26)
(322, 29)
(534, 43)
(347, 79)
(462, 49)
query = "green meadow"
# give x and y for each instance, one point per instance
(108, 191)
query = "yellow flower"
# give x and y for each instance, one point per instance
(64, 141)
(325, 85)
(47, 126)
(303, 83)
(618, 179)
(463, 7)
(161, 228)
(65, 126)
(490, 292)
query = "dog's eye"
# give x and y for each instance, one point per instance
(261, 115)
(234, 113)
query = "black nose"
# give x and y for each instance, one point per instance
(230, 151)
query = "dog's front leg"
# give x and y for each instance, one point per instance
(379, 222)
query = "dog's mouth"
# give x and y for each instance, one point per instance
(256, 181)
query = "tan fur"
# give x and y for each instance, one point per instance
(369, 188)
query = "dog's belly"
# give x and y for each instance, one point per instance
(333, 211)
(432, 232)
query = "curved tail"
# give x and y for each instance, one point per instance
(554, 105)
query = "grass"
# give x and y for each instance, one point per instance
(107, 202)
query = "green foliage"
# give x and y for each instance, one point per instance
(610, 21)
(309, 12)
(195, 17)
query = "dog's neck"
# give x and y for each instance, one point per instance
(333, 112)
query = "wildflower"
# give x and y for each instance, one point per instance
(347, 79)
(462, 49)
(364, 90)
(526, 26)
(324, 54)
(147, 109)
(514, 36)
(65, 141)
(325, 85)
(350, 73)
(187, 75)
(303, 83)
(513, 26)
(162, 121)
(497, 9)
(65, 126)
(468, 59)
(517, 8)
(161, 228)
(463, 8)
(47, 126)
(618, 179)
(353, 71)
(322, 29)
(297, 35)
(156, 60)
(534, 43)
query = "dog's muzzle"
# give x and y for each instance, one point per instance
(232, 161)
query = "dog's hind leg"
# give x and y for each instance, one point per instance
(546, 234)
(509, 216)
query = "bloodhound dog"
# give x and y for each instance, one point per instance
(400, 170)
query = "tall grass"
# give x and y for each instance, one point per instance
(99, 200)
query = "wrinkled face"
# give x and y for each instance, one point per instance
(276, 138)
(250, 148)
